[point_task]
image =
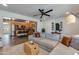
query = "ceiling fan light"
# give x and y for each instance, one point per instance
(70, 19)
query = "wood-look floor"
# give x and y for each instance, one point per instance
(16, 41)
(11, 41)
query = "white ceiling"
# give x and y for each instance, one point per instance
(32, 9)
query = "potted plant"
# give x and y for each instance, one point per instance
(43, 30)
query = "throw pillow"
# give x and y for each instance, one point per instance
(66, 41)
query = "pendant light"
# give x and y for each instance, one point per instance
(70, 18)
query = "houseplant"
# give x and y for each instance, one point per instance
(43, 30)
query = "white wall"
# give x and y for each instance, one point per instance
(71, 29)
(67, 28)
(14, 15)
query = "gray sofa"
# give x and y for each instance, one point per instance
(53, 45)
(45, 43)
(61, 49)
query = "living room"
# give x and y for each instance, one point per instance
(52, 31)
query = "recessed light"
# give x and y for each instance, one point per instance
(6, 18)
(67, 13)
(5, 5)
(5, 23)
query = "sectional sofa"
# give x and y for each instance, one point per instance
(54, 47)
(46, 47)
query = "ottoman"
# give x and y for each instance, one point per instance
(31, 49)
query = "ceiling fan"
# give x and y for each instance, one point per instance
(43, 12)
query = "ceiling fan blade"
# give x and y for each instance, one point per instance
(41, 10)
(49, 11)
(37, 15)
(46, 14)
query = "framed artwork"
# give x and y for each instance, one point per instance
(52, 25)
(57, 27)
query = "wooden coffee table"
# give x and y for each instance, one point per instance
(31, 49)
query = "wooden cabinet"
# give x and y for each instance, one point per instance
(24, 28)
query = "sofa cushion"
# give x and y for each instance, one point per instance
(54, 37)
(49, 44)
(75, 42)
(61, 49)
(45, 43)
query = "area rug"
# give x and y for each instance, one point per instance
(19, 50)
